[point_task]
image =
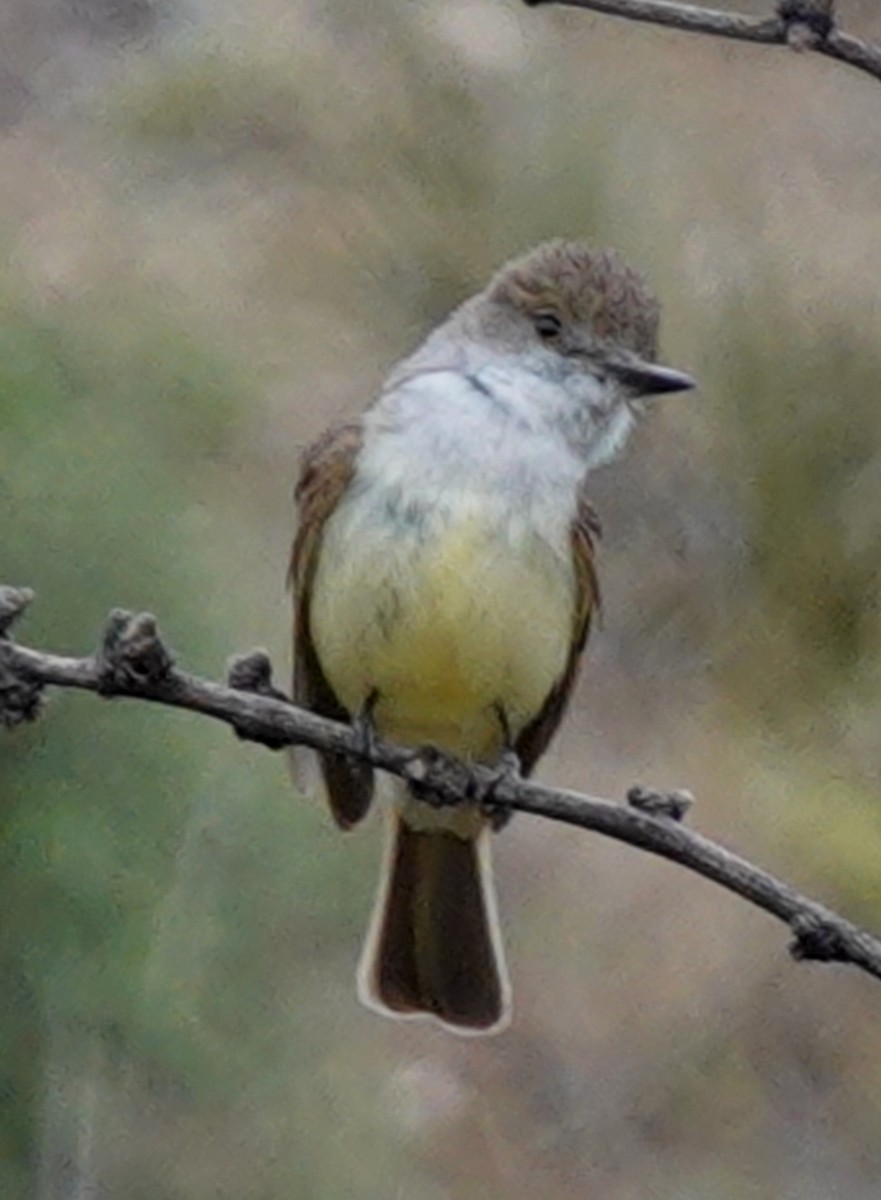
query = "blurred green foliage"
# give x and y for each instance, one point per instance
(214, 108)
(799, 401)
(300, 195)
(798, 452)
(94, 512)
(111, 431)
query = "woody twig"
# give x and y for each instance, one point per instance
(132, 661)
(799, 24)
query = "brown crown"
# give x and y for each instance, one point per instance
(595, 288)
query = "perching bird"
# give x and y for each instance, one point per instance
(444, 583)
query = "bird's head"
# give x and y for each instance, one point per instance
(581, 317)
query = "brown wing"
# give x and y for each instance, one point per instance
(534, 738)
(325, 472)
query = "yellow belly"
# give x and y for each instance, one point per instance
(445, 630)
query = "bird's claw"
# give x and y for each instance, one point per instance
(507, 770)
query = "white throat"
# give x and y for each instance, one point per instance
(538, 393)
(610, 438)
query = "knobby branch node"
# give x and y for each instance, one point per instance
(132, 661)
(799, 24)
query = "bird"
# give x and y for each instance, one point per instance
(444, 580)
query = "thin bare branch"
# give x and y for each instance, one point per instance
(800, 24)
(133, 662)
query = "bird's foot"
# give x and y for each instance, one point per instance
(438, 778)
(364, 730)
(507, 770)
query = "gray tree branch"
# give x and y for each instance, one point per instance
(132, 661)
(800, 24)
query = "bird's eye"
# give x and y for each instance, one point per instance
(548, 326)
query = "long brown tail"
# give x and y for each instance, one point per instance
(434, 946)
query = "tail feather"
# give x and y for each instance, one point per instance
(434, 946)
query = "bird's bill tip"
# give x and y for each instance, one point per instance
(650, 379)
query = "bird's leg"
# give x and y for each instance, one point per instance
(507, 770)
(364, 728)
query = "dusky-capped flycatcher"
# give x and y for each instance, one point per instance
(444, 583)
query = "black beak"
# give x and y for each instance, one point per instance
(647, 379)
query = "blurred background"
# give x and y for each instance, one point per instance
(220, 225)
